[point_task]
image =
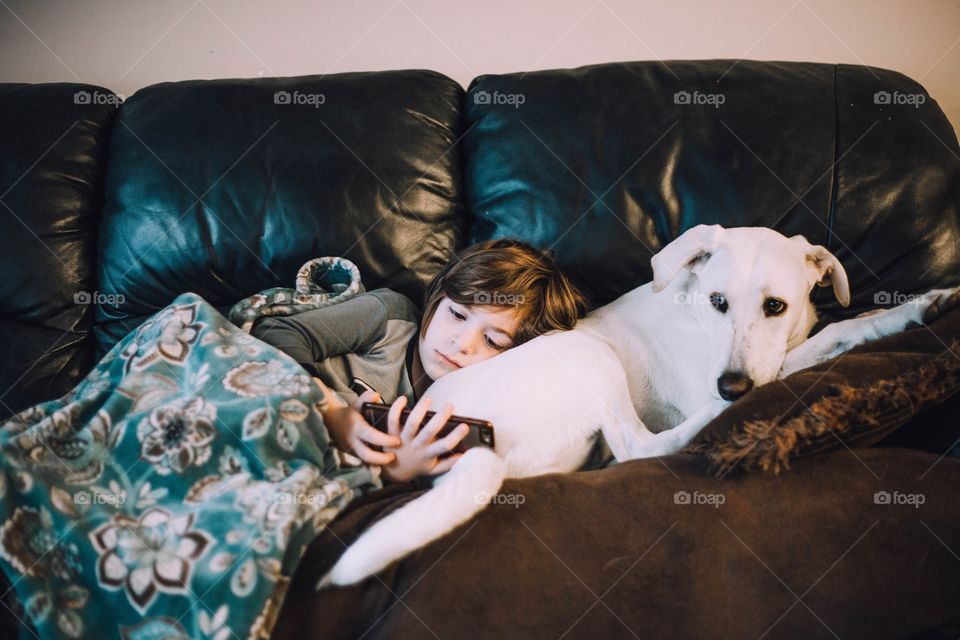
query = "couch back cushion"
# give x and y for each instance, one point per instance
(53, 156)
(608, 163)
(227, 187)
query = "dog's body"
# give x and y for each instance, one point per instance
(669, 355)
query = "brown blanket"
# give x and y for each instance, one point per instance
(664, 567)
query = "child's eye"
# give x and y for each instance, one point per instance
(458, 316)
(493, 344)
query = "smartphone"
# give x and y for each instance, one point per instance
(480, 434)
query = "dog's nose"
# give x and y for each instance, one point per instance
(733, 384)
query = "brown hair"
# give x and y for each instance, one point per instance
(509, 273)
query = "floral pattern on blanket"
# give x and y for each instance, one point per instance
(173, 491)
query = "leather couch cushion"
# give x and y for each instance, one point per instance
(608, 163)
(53, 150)
(227, 187)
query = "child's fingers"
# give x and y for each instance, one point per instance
(367, 396)
(444, 465)
(414, 419)
(430, 430)
(372, 435)
(393, 416)
(450, 441)
(370, 456)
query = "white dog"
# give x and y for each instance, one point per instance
(728, 309)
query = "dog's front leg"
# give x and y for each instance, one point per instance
(642, 443)
(842, 336)
(687, 430)
(830, 342)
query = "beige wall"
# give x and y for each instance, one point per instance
(125, 45)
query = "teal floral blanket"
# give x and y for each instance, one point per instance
(173, 491)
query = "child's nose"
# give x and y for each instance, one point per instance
(467, 341)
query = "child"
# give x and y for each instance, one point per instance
(492, 296)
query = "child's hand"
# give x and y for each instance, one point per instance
(353, 434)
(419, 454)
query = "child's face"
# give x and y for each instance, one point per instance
(460, 335)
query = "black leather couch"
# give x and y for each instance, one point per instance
(226, 187)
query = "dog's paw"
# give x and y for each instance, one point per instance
(348, 570)
(938, 302)
(324, 582)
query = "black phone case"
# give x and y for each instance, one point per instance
(480, 434)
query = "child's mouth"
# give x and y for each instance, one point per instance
(447, 360)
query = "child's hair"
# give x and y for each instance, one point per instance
(509, 273)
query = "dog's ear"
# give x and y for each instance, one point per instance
(692, 245)
(827, 270)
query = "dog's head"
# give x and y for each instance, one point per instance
(748, 289)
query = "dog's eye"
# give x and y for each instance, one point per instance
(774, 307)
(718, 301)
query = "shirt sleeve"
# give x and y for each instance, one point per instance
(352, 326)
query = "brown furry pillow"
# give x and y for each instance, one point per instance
(853, 400)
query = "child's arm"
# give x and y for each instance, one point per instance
(350, 432)
(351, 326)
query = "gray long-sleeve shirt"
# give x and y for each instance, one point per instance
(369, 337)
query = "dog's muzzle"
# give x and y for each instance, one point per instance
(733, 384)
